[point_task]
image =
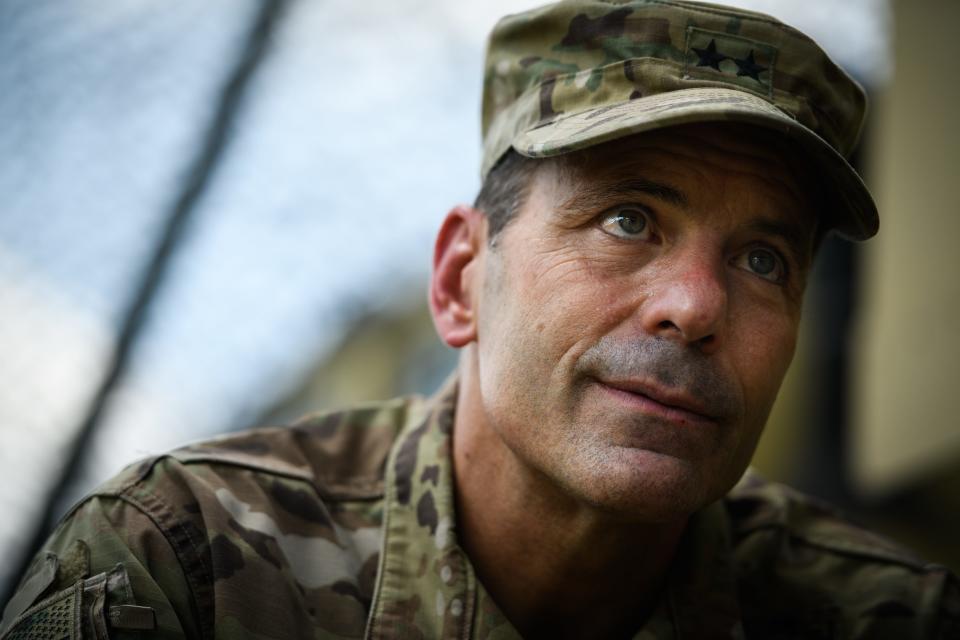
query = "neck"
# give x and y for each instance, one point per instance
(556, 567)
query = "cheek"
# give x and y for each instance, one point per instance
(539, 316)
(574, 302)
(765, 351)
(573, 266)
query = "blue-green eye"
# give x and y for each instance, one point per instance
(627, 222)
(763, 262)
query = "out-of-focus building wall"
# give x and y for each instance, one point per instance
(906, 423)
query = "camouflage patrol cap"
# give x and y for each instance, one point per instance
(581, 72)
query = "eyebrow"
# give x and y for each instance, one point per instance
(588, 195)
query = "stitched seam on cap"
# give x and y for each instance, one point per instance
(680, 66)
(714, 12)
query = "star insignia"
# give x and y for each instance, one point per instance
(709, 56)
(749, 67)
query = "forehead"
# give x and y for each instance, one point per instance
(733, 148)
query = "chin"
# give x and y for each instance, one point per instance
(645, 486)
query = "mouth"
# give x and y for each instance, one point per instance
(673, 405)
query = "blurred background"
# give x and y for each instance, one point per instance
(221, 214)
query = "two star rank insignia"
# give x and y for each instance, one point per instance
(710, 57)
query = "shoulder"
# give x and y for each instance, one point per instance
(207, 530)
(339, 454)
(801, 565)
(235, 500)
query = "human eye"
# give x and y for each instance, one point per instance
(627, 221)
(763, 262)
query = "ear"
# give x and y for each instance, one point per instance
(456, 273)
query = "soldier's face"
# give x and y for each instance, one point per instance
(636, 319)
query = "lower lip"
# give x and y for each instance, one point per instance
(651, 407)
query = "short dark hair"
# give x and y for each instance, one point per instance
(504, 191)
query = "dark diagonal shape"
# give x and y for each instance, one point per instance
(155, 271)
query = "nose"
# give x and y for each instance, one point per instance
(687, 302)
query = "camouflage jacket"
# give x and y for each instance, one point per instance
(343, 526)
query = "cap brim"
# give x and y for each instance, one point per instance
(855, 214)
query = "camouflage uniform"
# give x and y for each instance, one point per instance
(343, 526)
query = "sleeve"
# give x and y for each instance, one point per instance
(948, 624)
(108, 571)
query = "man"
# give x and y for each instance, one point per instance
(626, 294)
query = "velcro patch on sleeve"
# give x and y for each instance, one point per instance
(56, 617)
(40, 575)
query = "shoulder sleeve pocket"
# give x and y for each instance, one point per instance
(57, 617)
(95, 608)
(40, 576)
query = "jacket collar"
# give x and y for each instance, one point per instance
(426, 587)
